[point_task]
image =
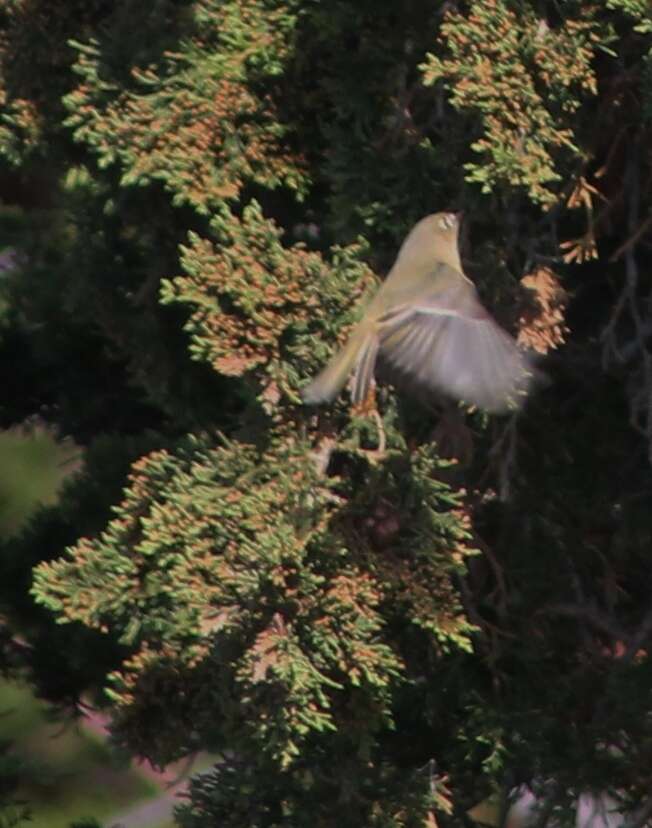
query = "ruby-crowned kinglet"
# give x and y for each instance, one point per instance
(427, 322)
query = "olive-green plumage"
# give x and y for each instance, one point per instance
(426, 321)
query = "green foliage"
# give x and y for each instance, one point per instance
(225, 135)
(638, 9)
(299, 621)
(373, 142)
(20, 133)
(35, 71)
(254, 301)
(201, 195)
(232, 796)
(65, 660)
(525, 83)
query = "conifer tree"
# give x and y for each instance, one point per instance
(377, 615)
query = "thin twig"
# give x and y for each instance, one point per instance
(594, 617)
(632, 240)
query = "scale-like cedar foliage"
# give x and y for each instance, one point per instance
(258, 306)
(235, 568)
(197, 122)
(366, 632)
(526, 114)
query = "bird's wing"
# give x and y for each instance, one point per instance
(447, 341)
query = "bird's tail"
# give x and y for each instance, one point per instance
(359, 356)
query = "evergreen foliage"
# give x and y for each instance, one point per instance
(374, 619)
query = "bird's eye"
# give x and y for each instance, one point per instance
(447, 221)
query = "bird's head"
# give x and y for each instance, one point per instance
(433, 239)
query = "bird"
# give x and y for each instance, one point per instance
(427, 323)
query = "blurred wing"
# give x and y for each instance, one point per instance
(450, 343)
